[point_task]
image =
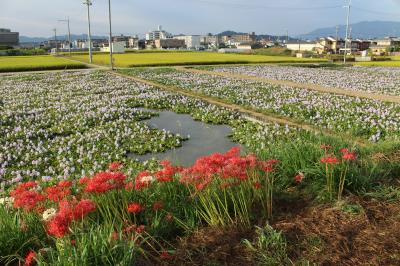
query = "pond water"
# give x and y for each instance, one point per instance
(204, 139)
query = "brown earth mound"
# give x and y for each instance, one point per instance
(214, 246)
(330, 236)
(361, 232)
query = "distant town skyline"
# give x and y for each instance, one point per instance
(38, 18)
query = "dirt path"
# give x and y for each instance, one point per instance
(308, 86)
(247, 112)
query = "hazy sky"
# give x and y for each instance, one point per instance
(39, 17)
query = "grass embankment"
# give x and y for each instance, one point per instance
(34, 63)
(188, 58)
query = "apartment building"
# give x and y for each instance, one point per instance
(191, 41)
(158, 34)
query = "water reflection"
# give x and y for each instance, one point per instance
(204, 139)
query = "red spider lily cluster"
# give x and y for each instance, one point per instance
(115, 166)
(230, 167)
(332, 162)
(135, 207)
(346, 155)
(59, 192)
(69, 211)
(103, 182)
(27, 196)
(29, 259)
(63, 204)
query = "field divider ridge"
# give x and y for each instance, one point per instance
(308, 86)
(246, 112)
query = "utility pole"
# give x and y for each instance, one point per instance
(69, 34)
(89, 3)
(287, 36)
(347, 30)
(55, 38)
(337, 32)
(110, 37)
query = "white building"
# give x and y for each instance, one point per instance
(302, 46)
(118, 48)
(191, 41)
(159, 34)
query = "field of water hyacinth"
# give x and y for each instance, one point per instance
(377, 80)
(71, 195)
(371, 119)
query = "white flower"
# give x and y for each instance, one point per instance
(48, 214)
(7, 201)
(147, 179)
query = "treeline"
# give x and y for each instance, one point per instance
(9, 51)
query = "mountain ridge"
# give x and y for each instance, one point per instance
(363, 29)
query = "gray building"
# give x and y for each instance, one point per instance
(8, 38)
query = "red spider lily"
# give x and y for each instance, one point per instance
(129, 185)
(23, 187)
(114, 166)
(84, 180)
(325, 147)
(201, 186)
(58, 226)
(29, 259)
(347, 155)
(135, 207)
(299, 177)
(105, 181)
(143, 180)
(167, 173)
(83, 208)
(165, 255)
(26, 197)
(59, 192)
(28, 200)
(69, 211)
(140, 229)
(257, 185)
(169, 217)
(134, 228)
(329, 159)
(351, 156)
(268, 166)
(158, 205)
(228, 165)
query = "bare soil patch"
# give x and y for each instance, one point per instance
(330, 236)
